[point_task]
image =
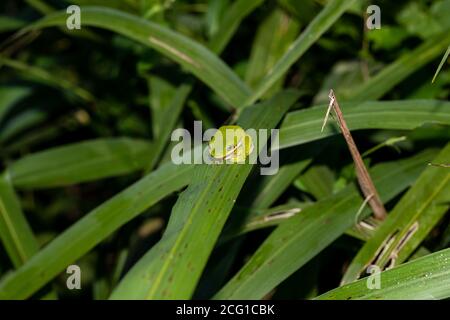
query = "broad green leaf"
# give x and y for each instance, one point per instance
(90, 230)
(304, 125)
(298, 239)
(172, 268)
(400, 69)
(321, 23)
(411, 220)
(423, 279)
(289, 127)
(15, 233)
(189, 54)
(219, 267)
(80, 162)
(230, 23)
(273, 38)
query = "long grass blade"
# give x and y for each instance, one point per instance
(411, 220)
(427, 278)
(441, 64)
(321, 23)
(298, 239)
(233, 17)
(173, 266)
(15, 232)
(400, 69)
(304, 125)
(94, 227)
(189, 54)
(80, 162)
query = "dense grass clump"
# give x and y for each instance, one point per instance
(95, 204)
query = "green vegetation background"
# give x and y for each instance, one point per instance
(85, 124)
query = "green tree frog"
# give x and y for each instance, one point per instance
(230, 143)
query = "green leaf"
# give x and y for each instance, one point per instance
(387, 38)
(9, 96)
(400, 69)
(269, 188)
(21, 122)
(172, 268)
(275, 34)
(10, 24)
(15, 233)
(342, 78)
(420, 209)
(214, 15)
(441, 64)
(298, 239)
(90, 230)
(230, 23)
(46, 77)
(321, 23)
(128, 6)
(161, 93)
(304, 125)
(40, 6)
(262, 218)
(45, 9)
(168, 121)
(318, 180)
(425, 278)
(80, 162)
(189, 54)
(425, 25)
(304, 11)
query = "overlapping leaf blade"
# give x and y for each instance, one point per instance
(80, 162)
(15, 232)
(321, 23)
(304, 125)
(173, 266)
(421, 208)
(188, 53)
(303, 236)
(92, 229)
(427, 278)
(233, 17)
